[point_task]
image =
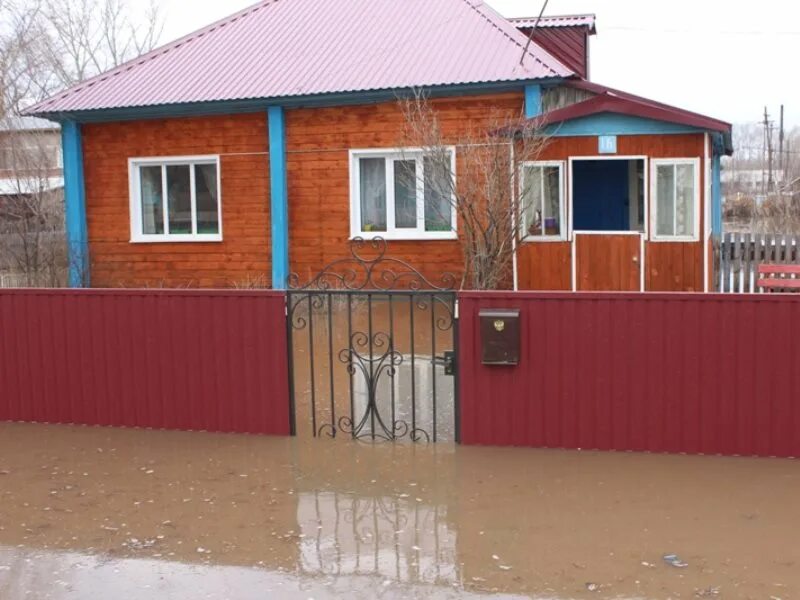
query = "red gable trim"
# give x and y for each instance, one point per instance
(613, 104)
(626, 103)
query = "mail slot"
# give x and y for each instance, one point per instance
(499, 336)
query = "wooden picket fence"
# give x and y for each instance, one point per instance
(738, 255)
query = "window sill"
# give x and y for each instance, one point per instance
(532, 239)
(176, 239)
(675, 239)
(411, 237)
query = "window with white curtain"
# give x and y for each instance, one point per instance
(402, 194)
(542, 200)
(175, 199)
(676, 198)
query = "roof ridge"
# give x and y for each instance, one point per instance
(155, 52)
(522, 47)
(545, 17)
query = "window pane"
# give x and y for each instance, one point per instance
(552, 195)
(665, 199)
(438, 194)
(205, 185)
(152, 206)
(532, 201)
(685, 200)
(373, 194)
(179, 203)
(405, 193)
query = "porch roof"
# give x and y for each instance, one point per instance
(609, 100)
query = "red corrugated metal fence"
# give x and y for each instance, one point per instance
(694, 373)
(210, 360)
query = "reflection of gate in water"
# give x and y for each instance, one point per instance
(372, 350)
(392, 537)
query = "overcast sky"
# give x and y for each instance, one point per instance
(723, 58)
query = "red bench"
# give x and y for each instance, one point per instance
(779, 278)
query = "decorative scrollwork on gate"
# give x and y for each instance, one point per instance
(375, 271)
(384, 291)
(362, 360)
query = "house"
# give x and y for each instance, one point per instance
(261, 144)
(31, 203)
(30, 157)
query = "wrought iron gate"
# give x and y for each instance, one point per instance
(372, 350)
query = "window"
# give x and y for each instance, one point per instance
(402, 194)
(542, 200)
(676, 196)
(175, 199)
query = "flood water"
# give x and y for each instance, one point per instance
(111, 513)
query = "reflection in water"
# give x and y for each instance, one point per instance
(397, 538)
(93, 513)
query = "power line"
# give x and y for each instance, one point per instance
(533, 29)
(698, 31)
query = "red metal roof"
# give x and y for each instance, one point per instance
(295, 48)
(569, 44)
(557, 21)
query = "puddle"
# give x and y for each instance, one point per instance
(98, 513)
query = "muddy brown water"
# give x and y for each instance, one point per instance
(95, 513)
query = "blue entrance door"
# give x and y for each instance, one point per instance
(600, 195)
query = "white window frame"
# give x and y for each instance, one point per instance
(392, 232)
(562, 200)
(654, 164)
(137, 235)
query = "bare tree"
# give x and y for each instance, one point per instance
(495, 206)
(32, 243)
(88, 37)
(47, 45)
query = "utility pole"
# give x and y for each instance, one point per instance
(781, 167)
(768, 148)
(765, 123)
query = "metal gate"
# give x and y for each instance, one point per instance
(372, 350)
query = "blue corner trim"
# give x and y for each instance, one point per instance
(615, 124)
(716, 196)
(533, 101)
(279, 197)
(75, 205)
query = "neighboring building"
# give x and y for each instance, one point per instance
(249, 148)
(31, 203)
(30, 156)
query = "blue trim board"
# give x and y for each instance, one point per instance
(279, 197)
(75, 205)
(227, 107)
(615, 124)
(533, 101)
(716, 196)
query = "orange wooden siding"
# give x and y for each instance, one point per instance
(318, 143)
(244, 254)
(544, 266)
(608, 263)
(669, 266)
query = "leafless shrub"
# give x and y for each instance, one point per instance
(486, 195)
(253, 282)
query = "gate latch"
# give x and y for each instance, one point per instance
(448, 361)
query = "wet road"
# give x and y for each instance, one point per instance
(98, 513)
